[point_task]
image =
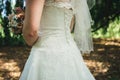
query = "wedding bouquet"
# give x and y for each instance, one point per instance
(16, 20)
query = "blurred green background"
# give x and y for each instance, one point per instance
(106, 16)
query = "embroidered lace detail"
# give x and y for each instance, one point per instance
(59, 4)
(67, 20)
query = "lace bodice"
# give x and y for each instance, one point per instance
(51, 7)
(67, 9)
(56, 21)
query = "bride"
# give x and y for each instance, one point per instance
(55, 54)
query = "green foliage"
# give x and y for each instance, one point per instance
(19, 3)
(104, 12)
(6, 36)
(113, 30)
(5, 23)
(16, 40)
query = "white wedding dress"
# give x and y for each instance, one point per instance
(55, 56)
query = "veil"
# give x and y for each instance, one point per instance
(82, 30)
(90, 3)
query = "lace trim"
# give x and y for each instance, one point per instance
(67, 19)
(59, 4)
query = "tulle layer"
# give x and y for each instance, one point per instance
(55, 60)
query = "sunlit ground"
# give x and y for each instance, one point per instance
(104, 62)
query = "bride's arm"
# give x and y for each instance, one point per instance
(33, 15)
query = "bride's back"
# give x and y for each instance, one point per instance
(56, 18)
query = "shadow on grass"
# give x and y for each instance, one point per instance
(104, 61)
(12, 60)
